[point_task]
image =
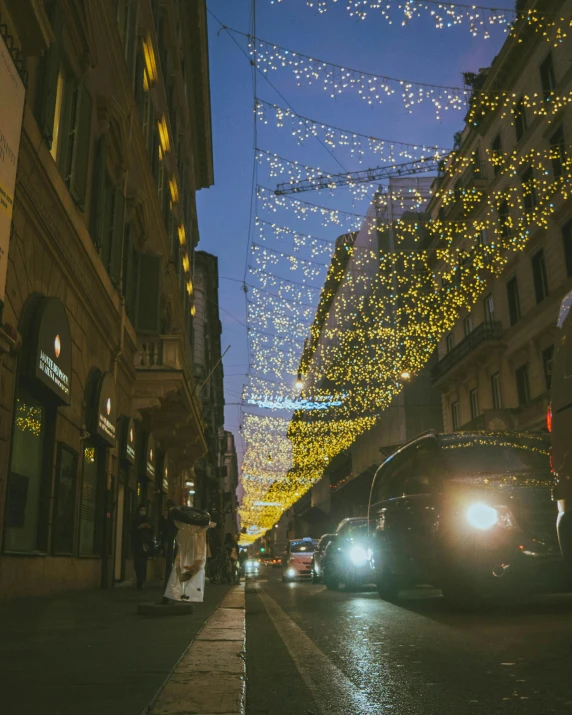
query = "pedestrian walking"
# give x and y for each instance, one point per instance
(142, 540)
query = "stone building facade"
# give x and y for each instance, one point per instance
(208, 368)
(494, 364)
(98, 410)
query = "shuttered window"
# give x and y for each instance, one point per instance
(64, 113)
(79, 144)
(148, 294)
(117, 236)
(49, 74)
(108, 215)
(130, 270)
(98, 202)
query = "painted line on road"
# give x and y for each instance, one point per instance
(210, 678)
(333, 692)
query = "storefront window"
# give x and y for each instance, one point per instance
(89, 499)
(26, 472)
(64, 513)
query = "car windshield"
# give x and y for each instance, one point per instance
(358, 532)
(344, 529)
(303, 547)
(496, 457)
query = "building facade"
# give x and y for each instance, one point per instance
(494, 366)
(98, 407)
(209, 376)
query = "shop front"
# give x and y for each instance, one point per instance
(40, 498)
(98, 473)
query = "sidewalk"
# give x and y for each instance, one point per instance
(89, 653)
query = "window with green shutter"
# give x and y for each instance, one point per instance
(49, 74)
(79, 160)
(98, 200)
(116, 247)
(130, 272)
(148, 294)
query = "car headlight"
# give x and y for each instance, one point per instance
(358, 555)
(291, 573)
(482, 516)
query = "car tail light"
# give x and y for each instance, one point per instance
(549, 418)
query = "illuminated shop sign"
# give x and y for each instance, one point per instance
(106, 403)
(150, 458)
(47, 348)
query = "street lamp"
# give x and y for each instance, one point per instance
(299, 382)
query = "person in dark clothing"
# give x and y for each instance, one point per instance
(232, 550)
(168, 534)
(142, 540)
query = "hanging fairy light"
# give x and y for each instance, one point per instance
(478, 19)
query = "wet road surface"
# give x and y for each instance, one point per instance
(315, 652)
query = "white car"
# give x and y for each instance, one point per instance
(297, 559)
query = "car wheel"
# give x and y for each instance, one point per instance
(387, 584)
(331, 581)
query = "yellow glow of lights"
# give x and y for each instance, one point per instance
(182, 235)
(174, 189)
(193, 311)
(190, 287)
(164, 135)
(150, 61)
(28, 418)
(186, 263)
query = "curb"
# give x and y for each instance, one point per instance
(210, 676)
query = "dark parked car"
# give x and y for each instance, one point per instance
(560, 424)
(346, 559)
(468, 512)
(318, 556)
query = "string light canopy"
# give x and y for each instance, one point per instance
(335, 351)
(413, 299)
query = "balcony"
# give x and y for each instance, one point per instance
(166, 393)
(530, 416)
(483, 338)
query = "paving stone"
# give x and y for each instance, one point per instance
(222, 656)
(221, 634)
(235, 599)
(227, 618)
(215, 693)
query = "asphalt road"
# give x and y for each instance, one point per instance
(310, 651)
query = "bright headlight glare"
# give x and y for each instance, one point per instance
(482, 516)
(358, 555)
(291, 573)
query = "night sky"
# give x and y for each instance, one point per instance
(417, 52)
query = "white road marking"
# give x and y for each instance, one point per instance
(333, 692)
